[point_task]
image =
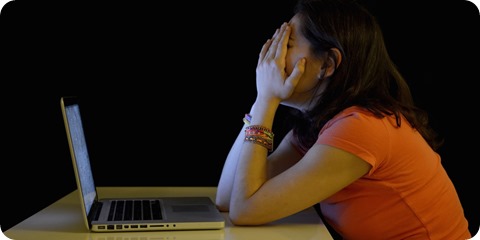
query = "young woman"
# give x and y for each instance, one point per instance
(358, 146)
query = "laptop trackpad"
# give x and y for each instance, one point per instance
(190, 208)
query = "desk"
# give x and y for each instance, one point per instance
(63, 220)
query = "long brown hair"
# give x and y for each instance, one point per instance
(366, 77)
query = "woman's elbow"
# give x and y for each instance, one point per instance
(242, 218)
(222, 207)
(239, 221)
(222, 202)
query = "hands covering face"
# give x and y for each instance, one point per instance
(273, 84)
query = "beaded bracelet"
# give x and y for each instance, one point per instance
(260, 135)
(257, 129)
(261, 141)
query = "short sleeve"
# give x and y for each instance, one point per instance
(359, 132)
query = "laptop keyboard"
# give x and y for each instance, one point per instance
(125, 210)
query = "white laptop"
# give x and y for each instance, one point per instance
(145, 214)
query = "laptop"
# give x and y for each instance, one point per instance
(128, 214)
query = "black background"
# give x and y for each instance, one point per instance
(164, 88)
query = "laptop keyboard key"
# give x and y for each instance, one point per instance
(156, 210)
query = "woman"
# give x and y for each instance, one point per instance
(358, 145)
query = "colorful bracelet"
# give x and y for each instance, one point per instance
(260, 135)
(268, 144)
(257, 129)
(247, 118)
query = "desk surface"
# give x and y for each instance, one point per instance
(63, 220)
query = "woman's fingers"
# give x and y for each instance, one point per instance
(264, 51)
(272, 80)
(296, 73)
(269, 49)
(273, 45)
(281, 51)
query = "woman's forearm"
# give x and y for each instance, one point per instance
(225, 184)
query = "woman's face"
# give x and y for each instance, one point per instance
(299, 47)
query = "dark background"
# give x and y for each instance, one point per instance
(164, 88)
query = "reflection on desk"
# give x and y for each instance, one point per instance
(63, 220)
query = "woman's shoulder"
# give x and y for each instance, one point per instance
(353, 112)
(358, 119)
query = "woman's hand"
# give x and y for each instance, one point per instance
(273, 84)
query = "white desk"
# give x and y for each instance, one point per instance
(63, 220)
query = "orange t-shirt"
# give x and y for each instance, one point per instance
(406, 195)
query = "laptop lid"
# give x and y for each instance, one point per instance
(79, 155)
(174, 213)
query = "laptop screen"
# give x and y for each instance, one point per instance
(80, 154)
